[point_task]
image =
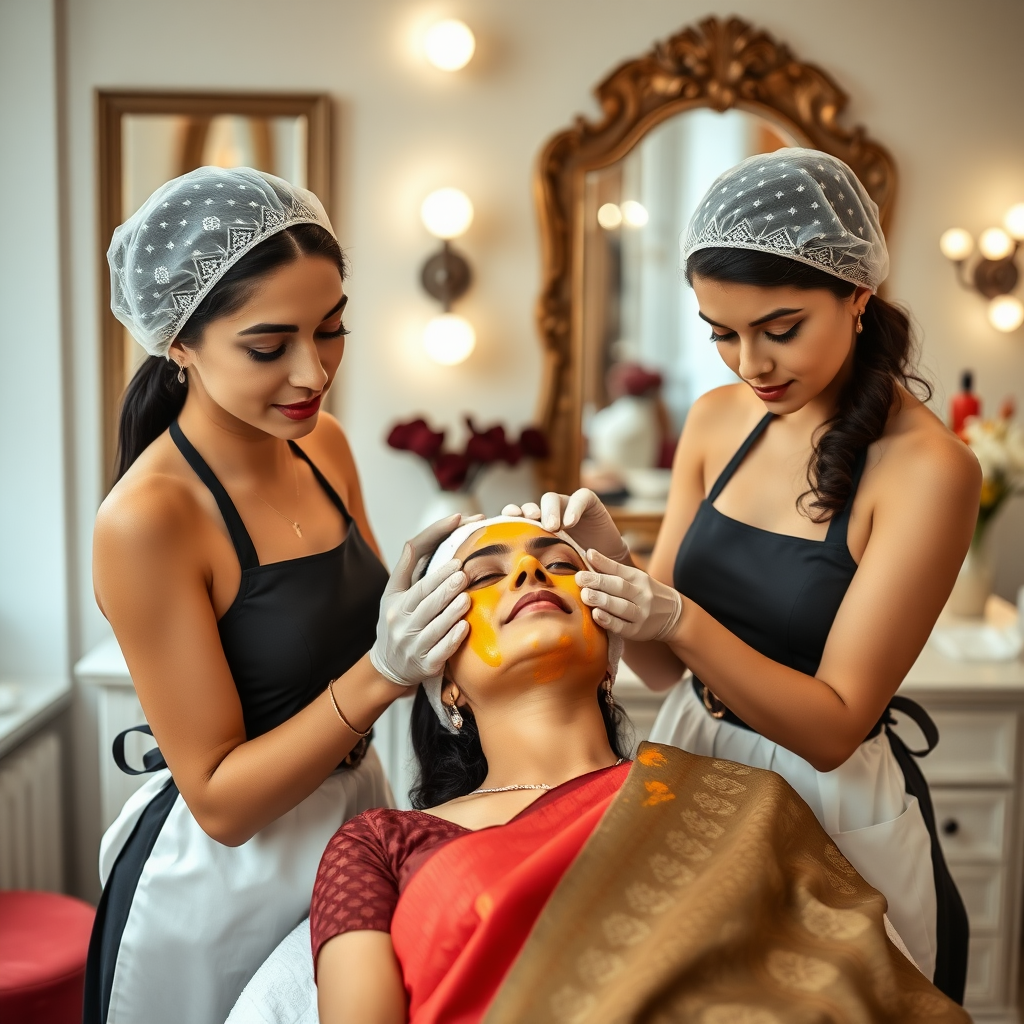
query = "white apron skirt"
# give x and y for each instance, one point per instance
(205, 916)
(863, 806)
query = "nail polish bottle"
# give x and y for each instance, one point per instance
(965, 404)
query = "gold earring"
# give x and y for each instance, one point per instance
(860, 327)
(181, 373)
(453, 713)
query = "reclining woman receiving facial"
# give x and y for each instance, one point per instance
(544, 878)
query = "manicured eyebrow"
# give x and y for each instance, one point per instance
(270, 329)
(490, 549)
(774, 315)
(539, 543)
(291, 328)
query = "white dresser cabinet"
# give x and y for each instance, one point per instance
(975, 775)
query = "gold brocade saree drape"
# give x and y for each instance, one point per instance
(709, 893)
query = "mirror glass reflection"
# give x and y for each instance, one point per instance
(158, 147)
(646, 355)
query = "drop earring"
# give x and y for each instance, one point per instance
(606, 685)
(860, 327)
(181, 373)
(453, 714)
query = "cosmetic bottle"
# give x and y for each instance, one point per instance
(965, 404)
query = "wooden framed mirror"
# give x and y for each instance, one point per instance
(625, 355)
(147, 138)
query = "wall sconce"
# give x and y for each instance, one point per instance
(449, 45)
(995, 274)
(631, 213)
(447, 214)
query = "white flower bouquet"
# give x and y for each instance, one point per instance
(999, 446)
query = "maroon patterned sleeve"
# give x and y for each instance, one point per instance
(356, 888)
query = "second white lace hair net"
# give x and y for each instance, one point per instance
(446, 551)
(799, 203)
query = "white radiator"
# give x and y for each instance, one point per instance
(31, 840)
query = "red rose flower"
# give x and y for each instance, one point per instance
(534, 444)
(450, 469)
(416, 437)
(632, 379)
(486, 446)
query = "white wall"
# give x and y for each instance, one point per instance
(33, 576)
(936, 81)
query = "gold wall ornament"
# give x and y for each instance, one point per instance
(719, 64)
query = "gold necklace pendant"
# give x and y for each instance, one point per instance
(291, 522)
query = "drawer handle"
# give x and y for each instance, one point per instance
(950, 827)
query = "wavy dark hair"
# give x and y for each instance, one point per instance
(883, 359)
(154, 398)
(452, 765)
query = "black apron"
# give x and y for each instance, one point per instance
(293, 626)
(780, 594)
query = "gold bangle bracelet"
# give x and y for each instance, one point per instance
(348, 724)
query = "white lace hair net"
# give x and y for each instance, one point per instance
(165, 259)
(446, 551)
(799, 203)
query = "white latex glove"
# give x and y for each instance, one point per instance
(582, 515)
(627, 601)
(420, 625)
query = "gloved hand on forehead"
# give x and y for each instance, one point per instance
(582, 515)
(421, 624)
(628, 602)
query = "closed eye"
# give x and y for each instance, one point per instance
(338, 332)
(486, 580)
(266, 357)
(565, 568)
(786, 335)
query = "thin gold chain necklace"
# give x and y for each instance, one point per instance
(539, 785)
(291, 522)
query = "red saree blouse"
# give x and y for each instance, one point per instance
(459, 904)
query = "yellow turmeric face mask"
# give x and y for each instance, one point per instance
(526, 607)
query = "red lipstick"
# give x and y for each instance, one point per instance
(300, 410)
(539, 601)
(775, 393)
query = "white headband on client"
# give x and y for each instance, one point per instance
(446, 551)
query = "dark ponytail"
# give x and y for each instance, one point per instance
(452, 765)
(154, 398)
(883, 359)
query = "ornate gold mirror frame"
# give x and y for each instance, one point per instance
(199, 109)
(718, 64)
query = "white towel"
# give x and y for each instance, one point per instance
(282, 991)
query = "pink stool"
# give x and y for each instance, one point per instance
(44, 938)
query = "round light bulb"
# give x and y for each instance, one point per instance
(1005, 313)
(449, 45)
(956, 244)
(635, 214)
(609, 216)
(995, 244)
(447, 213)
(449, 339)
(1014, 222)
